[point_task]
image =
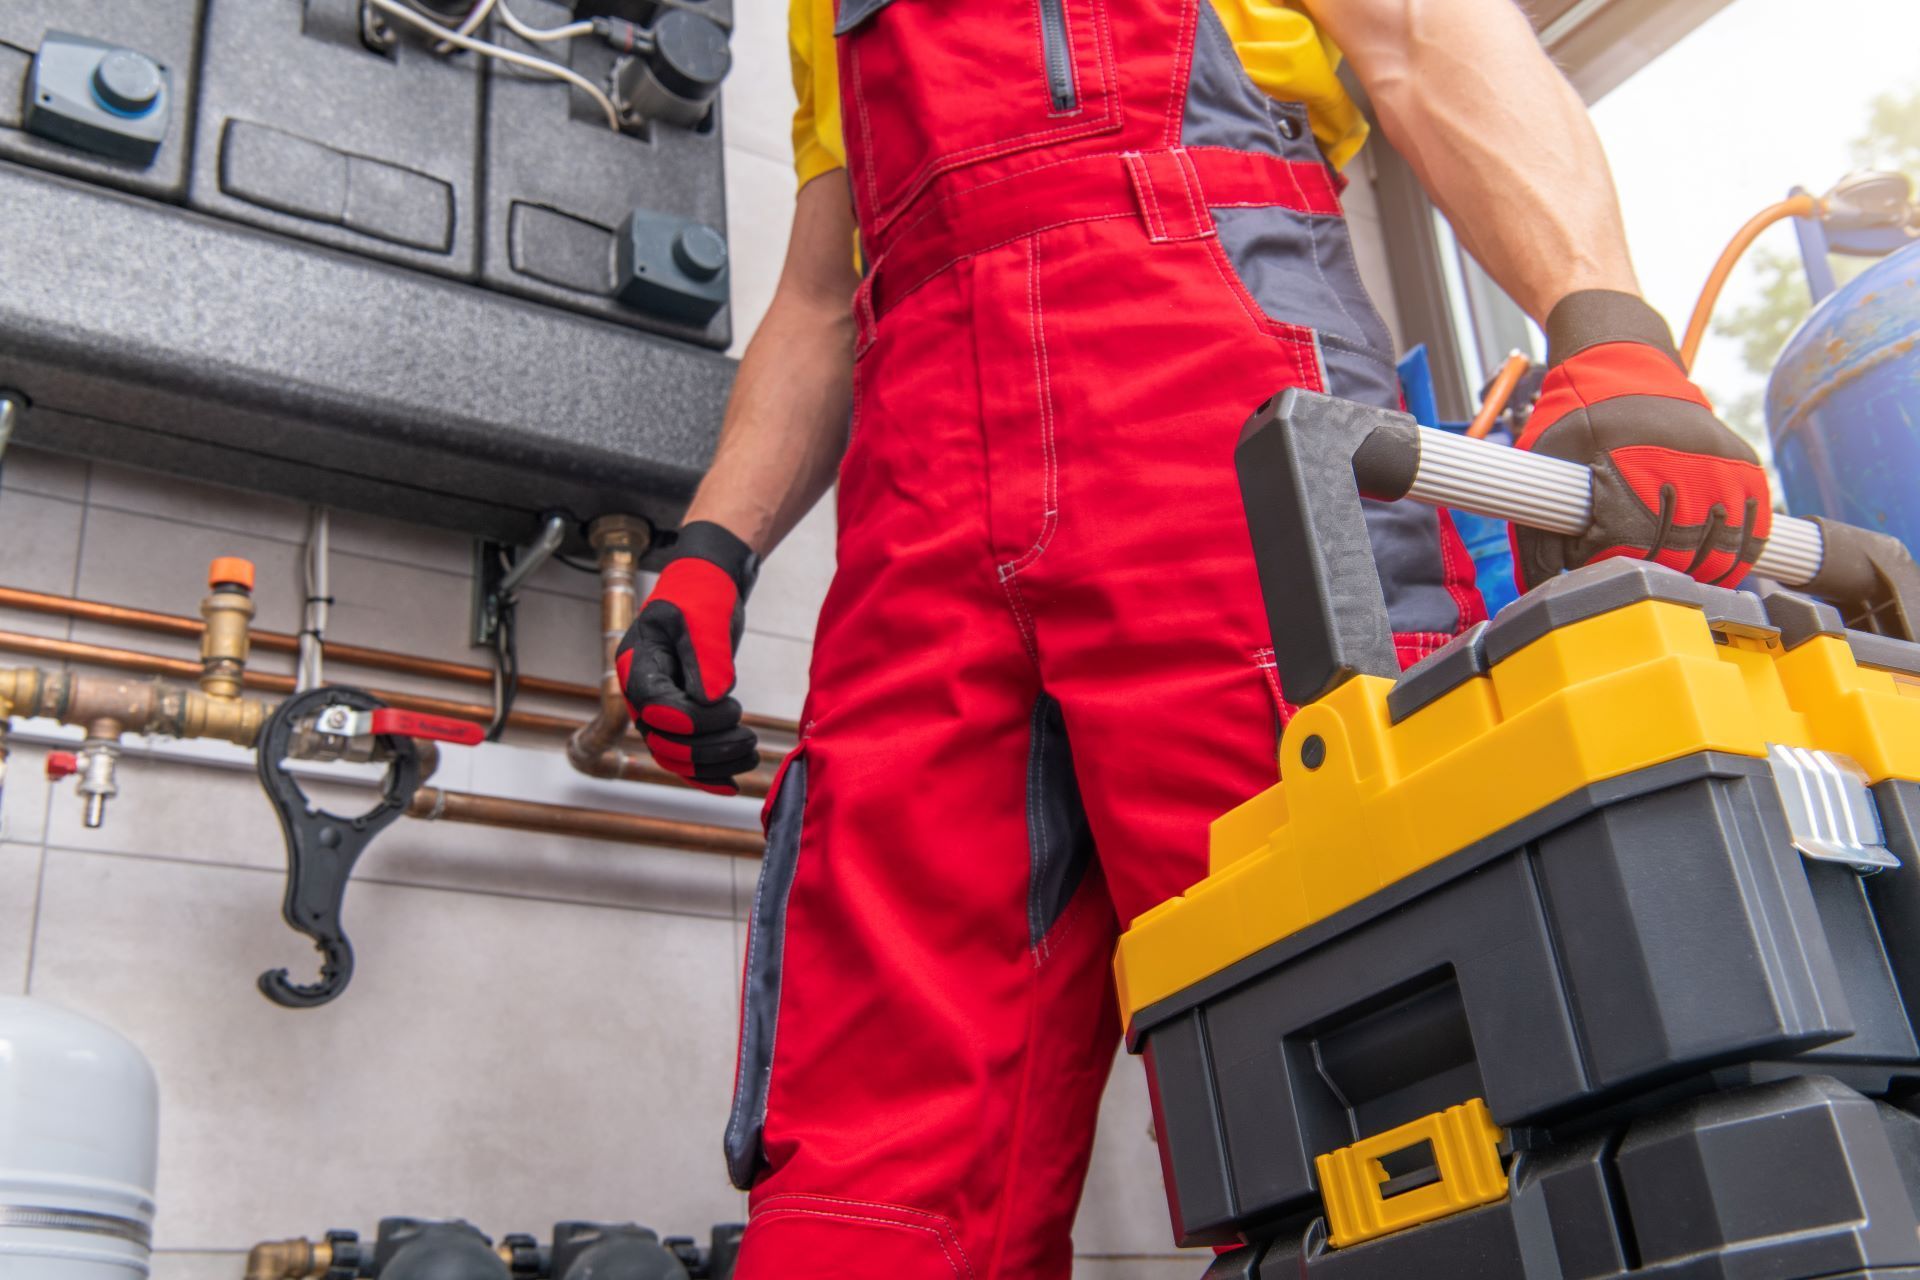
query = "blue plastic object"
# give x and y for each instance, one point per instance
(1843, 405)
(1486, 538)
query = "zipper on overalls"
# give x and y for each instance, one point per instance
(1053, 47)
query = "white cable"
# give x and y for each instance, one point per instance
(474, 19)
(541, 65)
(469, 24)
(541, 34)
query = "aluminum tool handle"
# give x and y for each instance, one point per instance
(1555, 495)
(1305, 461)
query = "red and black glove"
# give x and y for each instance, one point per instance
(676, 661)
(1671, 483)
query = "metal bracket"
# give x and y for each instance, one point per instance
(494, 585)
(321, 846)
(1829, 813)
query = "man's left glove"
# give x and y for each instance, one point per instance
(1671, 483)
(676, 662)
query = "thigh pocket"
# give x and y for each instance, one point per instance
(803, 1235)
(1299, 270)
(760, 991)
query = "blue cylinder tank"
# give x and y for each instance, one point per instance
(1843, 405)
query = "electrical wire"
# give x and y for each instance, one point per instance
(540, 35)
(543, 66)
(469, 24)
(506, 657)
(474, 19)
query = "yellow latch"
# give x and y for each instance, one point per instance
(1466, 1160)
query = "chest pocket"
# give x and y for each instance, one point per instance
(929, 86)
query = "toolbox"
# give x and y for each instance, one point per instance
(1587, 947)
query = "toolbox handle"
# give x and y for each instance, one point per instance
(1305, 460)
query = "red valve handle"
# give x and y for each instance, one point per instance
(412, 724)
(62, 764)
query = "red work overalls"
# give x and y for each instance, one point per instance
(1044, 665)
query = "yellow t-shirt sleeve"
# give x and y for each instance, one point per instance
(817, 144)
(1288, 58)
(1281, 48)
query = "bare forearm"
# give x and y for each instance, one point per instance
(785, 430)
(786, 423)
(1498, 138)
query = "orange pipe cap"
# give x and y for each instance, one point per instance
(230, 571)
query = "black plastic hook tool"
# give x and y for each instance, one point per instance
(322, 847)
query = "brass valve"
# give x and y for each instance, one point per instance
(228, 611)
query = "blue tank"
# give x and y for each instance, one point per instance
(1843, 405)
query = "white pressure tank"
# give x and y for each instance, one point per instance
(79, 1128)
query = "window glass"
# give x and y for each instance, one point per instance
(1765, 96)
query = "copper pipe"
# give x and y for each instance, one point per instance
(1794, 207)
(594, 747)
(433, 804)
(636, 768)
(352, 654)
(1501, 391)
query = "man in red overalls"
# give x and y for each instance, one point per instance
(1095, 240)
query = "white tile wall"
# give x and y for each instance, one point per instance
(172, 1265)
(181, 1265)
(19, 898)
(539, 1028)
(505, 1059)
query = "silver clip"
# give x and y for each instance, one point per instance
(1829, 813)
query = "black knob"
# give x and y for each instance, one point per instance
(690, 55)
(700, 252)
(128, 82)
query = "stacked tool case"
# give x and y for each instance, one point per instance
(1589, 947)
(362, 267)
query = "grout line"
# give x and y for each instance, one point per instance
(80, 538)
(387, 883)
(33, 921)
(39, 494)
(168, 518)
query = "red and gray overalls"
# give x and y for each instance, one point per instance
(1044, 665)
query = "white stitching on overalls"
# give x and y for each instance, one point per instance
(945, 1228)
(1036, 318)
(1177, 83)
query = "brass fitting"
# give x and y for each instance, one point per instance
(139, 706)
(289, 1260)
(228, 612)
(19, 689)
(235, 720)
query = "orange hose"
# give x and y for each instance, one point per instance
(1498, 394)
(1795, 207)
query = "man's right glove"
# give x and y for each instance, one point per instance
(676, 662)
(1671, 483)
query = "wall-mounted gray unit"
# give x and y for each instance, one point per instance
(562, 188)
(305, 246)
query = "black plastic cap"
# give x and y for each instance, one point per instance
(690, 54)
